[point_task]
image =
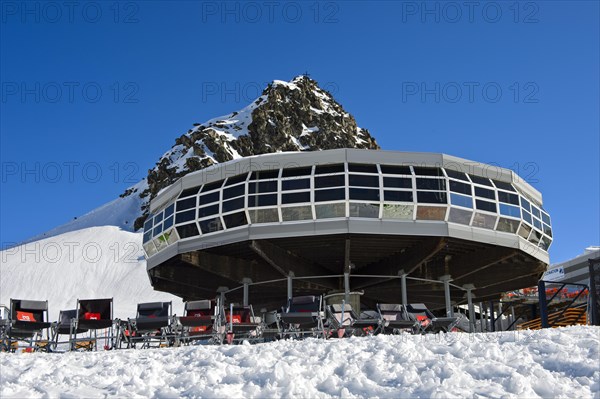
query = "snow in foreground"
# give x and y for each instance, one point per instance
(560, 362)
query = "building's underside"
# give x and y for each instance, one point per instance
(492, 269)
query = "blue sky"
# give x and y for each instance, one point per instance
(94, 93)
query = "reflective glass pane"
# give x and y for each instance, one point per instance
(262, 200)
(545, 243)
(391, 211)
(210, 225)
(484, 221)
(461, 216)
(187, 230)
(186, 204)
(209, 198)
(330, 181)
(169, 210)
(157, 230)
(481, 180)
(150, 248)
(160, 242)
(459, 187)
(525, 204)
(235, 220)
(265, 174)
(485, 205)
(326, 211)
(212, 186)
(364, 180)
(524, 231)
(234, 191)
(547, 230)
(233, 204)
(168, 222)
(536, 212)
(537, 224)
(535, 237)
(456, 175)
(545, 218)
(364, 210)
(395, 169)
(431, 213)
(189, 191)
(526, 216)
(431, 197)
(461, 200)
(208, 210)
(399, 196)
(509, 210)
(296, 213)
(292, 198)
(293, 172)
(426, 171)
(508, 198)
(431, 184)
(397, 182)
(295, 184)
(266, 215)
(508, 225)
(364, 194)
(485, 193)
(185, 216)
(363, 168)
(269, 186)
(328, 169)
(158, 218)
(236, 179)
(330, 195)
(503, 185)
(148, 223)
(147, 235)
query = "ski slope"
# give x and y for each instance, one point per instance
(555, 363)
(93, 262)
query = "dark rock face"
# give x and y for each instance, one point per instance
(288, 116)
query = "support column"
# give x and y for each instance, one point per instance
(403, 287)
(492, 321)
(469, 288)
(246, 281)
(513, 318)
(482, 316)
(347, 287)
(446, 280)
(543, 303)
(290, 278)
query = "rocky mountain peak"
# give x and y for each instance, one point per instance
(288, 116)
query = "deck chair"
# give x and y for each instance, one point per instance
(241, 323)
(428, 322)
(340, 319)
(271, 326)
(152, 324)
(65, 326)
(396, 319)
(28, 320)
(199, 321)
(370, 322)
(93, 315)
(303, 315)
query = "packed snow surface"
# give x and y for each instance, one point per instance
(560, 362)
(95, 262)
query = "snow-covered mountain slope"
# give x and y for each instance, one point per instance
(95, 262)
(551, 363)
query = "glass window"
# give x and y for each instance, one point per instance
(262, 200)
(235, 220)
(431, 197)
(326, 211)
(508, 225)
(150, 248)
(293, 198)
(545, 243)
(269, 186)
(211, 225)
(208, 210)
(461, 200)
(185, 216)
(536, 212)
(397, 182)
(545, 218)
(426, 171)
(330, 195)
(187, 230)
(395, 169)
(485, 193)
(431, 213)
(364, 210)
(547, 230)
(147, 235)
(459, 187)
(485, 205)
(364, 194)
(431, 184)
(461, 216)
(524, 231)
(456, 175)
(508, 210)
(526, 216)
(212, 186)
(158, 218)
(168, 222)
(399, 196)
(391, 211)
(537, 224)
(292, 213)
(186, 204)
(504, 186)
(148, 223)
(233, 204)
(328, 169)
(208, 198)
(484, 221)
(525, 204)
(364, 180)
(293, 172)
(481, 180)
(330, 181)
(236, 179)
(535, 237)
(265, 215)
(295, 184)
(189, 191)
(234, 191)
(157, 230)
(265, 174)
(169, 210)
(508, 198)
(363, 168)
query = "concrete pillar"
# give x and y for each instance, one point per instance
(347, 288)
(492, 321)
(403, 285)
(469, 288)
(446, 280)
(290, 278)
(482, 316)
(246, 281)
(513, 319)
